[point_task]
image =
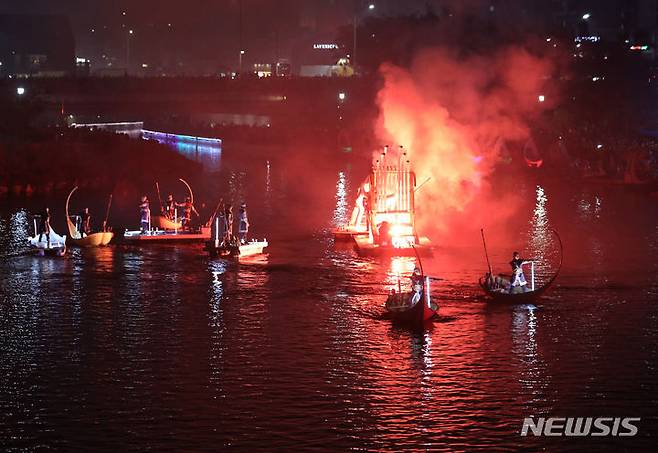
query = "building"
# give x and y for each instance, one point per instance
(36, 45)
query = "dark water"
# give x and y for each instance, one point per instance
(160, 348)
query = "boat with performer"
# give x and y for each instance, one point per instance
(500, 288)
(169, 230)
(77, 238)
(46, 245)
(412, 308)
(167, 220)
(224, 244)
(387, 207)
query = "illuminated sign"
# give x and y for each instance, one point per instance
(325, 46)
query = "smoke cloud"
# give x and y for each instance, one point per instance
(452, 114)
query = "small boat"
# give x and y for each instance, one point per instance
(412, 308)
(498, 289)
(250, 248)
(163, 222)
(40, 246)
(218, 247)
(77, 239)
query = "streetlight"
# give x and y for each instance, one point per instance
(586, 16)
(242, 52)
(20, 91)
(128, 35)
(541, 98)
(342, 96)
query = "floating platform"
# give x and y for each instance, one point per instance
(365, 247)
(163, 236)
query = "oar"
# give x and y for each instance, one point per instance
(157, 189)
(107, 213)
(486, 253)
(221, 200)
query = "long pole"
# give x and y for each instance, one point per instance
(107, 213)
(486, 253)
(157, 189)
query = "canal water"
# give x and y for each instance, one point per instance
(161, 348)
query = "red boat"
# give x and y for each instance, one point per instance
(412, 308)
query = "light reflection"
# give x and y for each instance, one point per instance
(340, 212)
(267, 201)
(208, 155)
(533, 373)
(14, 233)
(217, 269)
(399, 269)
(541, 240)
(237, 188)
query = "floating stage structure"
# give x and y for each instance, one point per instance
(383, 221)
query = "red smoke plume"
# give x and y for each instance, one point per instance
(452, 114)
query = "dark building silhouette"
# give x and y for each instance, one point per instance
(36, 45)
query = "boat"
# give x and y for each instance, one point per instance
(57, 246)
(165, 230)
(251, 248)
(388, 209)
(162, 221)
(77, 239)
(413, 308)
(218, 247)
(498, 290)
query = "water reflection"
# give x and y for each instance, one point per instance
(341, 210)
(533, 376)
(14, 233)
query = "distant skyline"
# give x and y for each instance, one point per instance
(197, 31)
(202, 35)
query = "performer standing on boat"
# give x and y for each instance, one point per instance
(416, 285)
(45, 226)
(188, 209)
(243, 227)
(85, 224)
(145, 213)
(170, 207)
(518, 281)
